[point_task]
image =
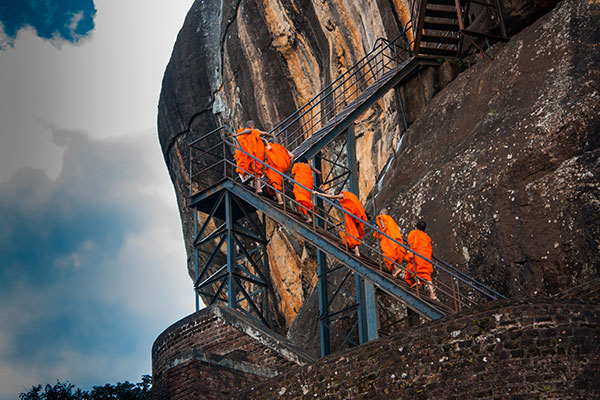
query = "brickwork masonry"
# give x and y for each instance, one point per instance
(525, 349)
(216, 351)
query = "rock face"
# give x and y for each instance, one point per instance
(503, 164)
(489, 160)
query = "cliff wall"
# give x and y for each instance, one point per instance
(489, 160)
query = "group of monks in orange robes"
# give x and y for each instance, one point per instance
(277, 158)
(278, 161)
(393, 251)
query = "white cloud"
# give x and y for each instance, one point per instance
(107, 85)
(59, 314)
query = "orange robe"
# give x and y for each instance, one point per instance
(303, 174)
(279, 159)
(241, 159)
(354, 227)
(392, 251)
(253, 145)
(420, 242)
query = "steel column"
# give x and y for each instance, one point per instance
(324, 321)
(231, 292)
(352, 164)
(365, 292)
(362, 314)
(370, 308)
(196, 258)
(323, 303)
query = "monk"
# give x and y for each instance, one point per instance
(251, 141)
(278, 159)
(393, 253)
(303, 174)
(355, 229)
(419, 242)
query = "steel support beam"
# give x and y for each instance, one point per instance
(197, 295)
(324, 321)
(231, 269)
(230, 281)
(367, 319)
(323, 303)
(370, 308)
(352, 164)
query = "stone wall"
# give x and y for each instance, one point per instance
(199, 378)
(189, 357)
(542, 348)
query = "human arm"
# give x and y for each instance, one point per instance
(329, 196)
(244, 132)
(267, 144)
(267, 134)
(316, 171)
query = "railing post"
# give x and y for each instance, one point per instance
(352, 164)
(190, 168)
(380, 256)
(501, 18)
(458, 295)
(196, 259)
(454, 299)
(461, 22)
(224, 160)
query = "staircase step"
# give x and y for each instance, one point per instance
(438, 52)
(430, 12)
(439, 39)
(437, 26)
(442, 2)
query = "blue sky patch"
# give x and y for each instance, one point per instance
(68, 20)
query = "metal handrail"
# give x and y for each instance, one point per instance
(365, 72)
(336, 224)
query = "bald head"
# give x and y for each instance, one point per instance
(383, 211)
(250, 124)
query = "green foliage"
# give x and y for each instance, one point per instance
(67, 391)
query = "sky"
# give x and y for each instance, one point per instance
(92, 260)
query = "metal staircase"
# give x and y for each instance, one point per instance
(231, 261)
(240, 276)
(441, 26)
(328, 114)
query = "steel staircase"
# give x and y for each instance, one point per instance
(328, 114)
(212, 155)
(231, 261)
(442, 25)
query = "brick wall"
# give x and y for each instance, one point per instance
(546, 348)
(212, 334)
(196, 379)
(216, 351)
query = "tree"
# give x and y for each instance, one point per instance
(67, 391)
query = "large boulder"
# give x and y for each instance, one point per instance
(515, 136)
